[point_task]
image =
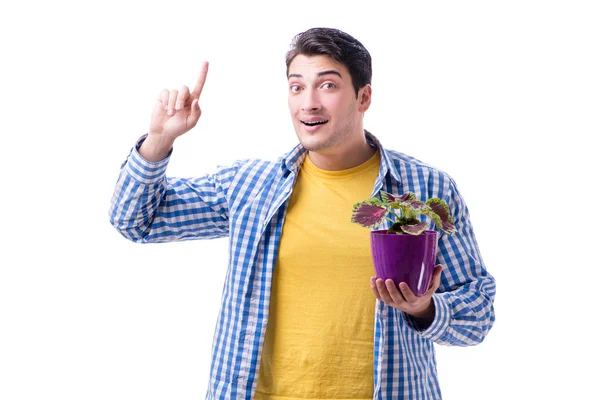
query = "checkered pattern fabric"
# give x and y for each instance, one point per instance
(247, 202)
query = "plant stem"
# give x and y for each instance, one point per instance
(406, 213)
(391, 220)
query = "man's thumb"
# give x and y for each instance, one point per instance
(195, 111)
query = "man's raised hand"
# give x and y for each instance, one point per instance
(178, 111)
(175, 113)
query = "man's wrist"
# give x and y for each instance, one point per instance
(155, 147)
(425, 318)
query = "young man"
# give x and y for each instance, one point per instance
(301, 316)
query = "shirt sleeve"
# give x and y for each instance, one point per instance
(148, 207)
(464, 311)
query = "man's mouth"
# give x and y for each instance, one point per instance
(315, 122)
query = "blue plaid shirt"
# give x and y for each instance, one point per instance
(247, 202)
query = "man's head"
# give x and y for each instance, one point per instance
(338, 45)
(329, 75)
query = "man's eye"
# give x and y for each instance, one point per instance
(329, 85)
(295, 88)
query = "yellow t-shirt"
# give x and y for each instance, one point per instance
(319, 340)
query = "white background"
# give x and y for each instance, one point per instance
(504, 96)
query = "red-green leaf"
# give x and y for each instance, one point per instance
(368, 213)
(419, 206)
(407, 197)
(387, 198)
(435, 218)
(414, 228)
(440, 208)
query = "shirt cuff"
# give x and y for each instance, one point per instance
(142, 170)
(440, 323)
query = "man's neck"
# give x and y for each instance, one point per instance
(345, 158)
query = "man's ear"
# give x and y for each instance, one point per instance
(364, 98)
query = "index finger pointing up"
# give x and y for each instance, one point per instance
(200, 83)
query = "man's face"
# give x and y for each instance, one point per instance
(325, 110)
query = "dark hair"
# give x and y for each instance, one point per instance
(338, 45)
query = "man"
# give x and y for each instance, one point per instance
(301, 316)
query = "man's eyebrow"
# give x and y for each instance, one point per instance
(329, 71)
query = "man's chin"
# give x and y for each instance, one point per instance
(313, 144)
(318, 141)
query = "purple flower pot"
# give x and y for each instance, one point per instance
(405, 258)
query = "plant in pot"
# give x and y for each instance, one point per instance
(405, 252)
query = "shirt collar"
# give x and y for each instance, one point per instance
(294, 159)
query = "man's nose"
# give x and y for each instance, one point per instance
(311, 101)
